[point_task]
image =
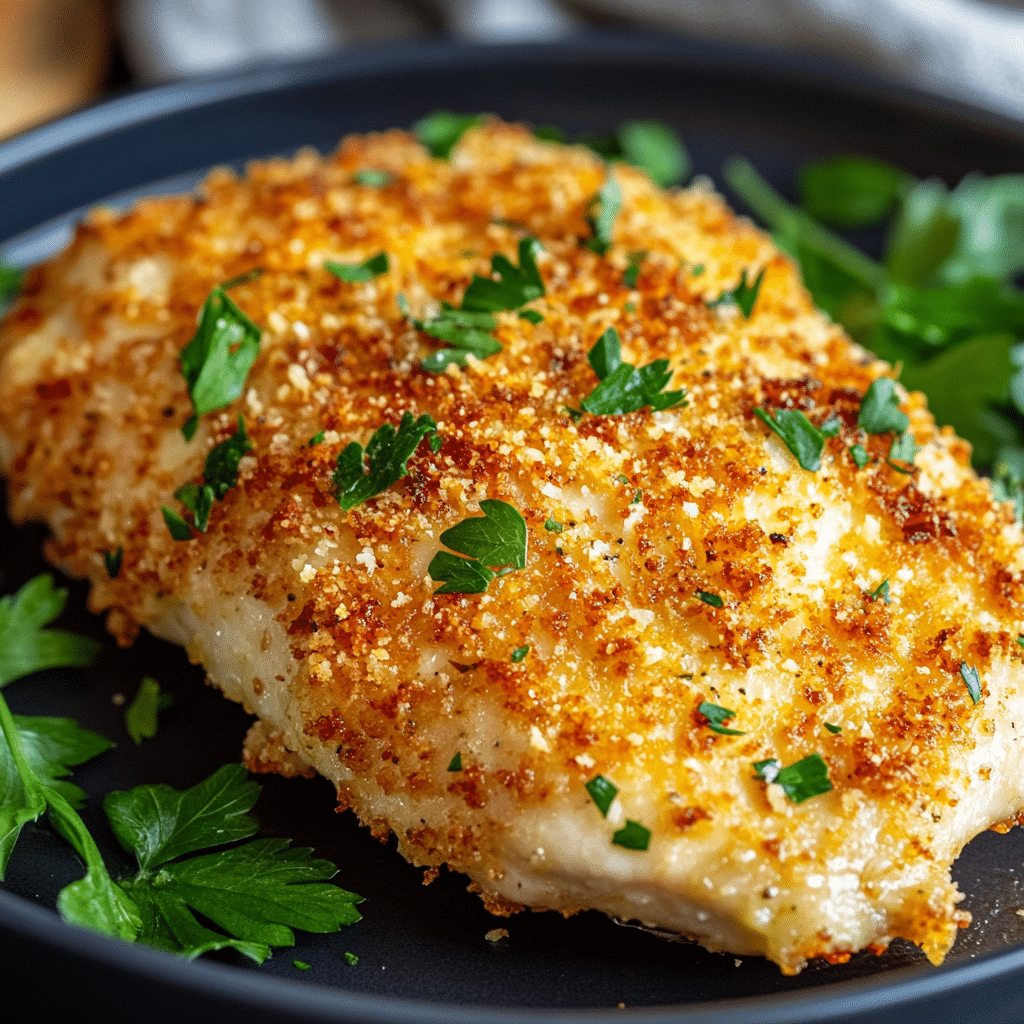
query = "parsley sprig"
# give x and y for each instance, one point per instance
(494, 543)
(800, 435)
(387, 453)
(220, 474)
(216, 362)
(623, 387)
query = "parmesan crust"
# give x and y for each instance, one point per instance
(325, 623)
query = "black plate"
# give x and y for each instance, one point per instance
(423, 956)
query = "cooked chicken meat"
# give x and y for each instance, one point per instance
(676, 560)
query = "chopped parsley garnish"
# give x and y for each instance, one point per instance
(603, 793)
(881, 591)
(553, 527)
(851, 191)
(10, 281)
(623, 388)
(712, 599)
(903, 449)
(441, 130)
(859, 455)
(697, 269)
(798, 434)
(602, 210)
(634, 261)
(716, 716)
(455, 764)
(833, 728)
(510, 286)
(25, 646)
(531, 316)
(351, 959)
(112, 562)
(632, 835)
(300, 965)
(216, 362)
(372, 178)
(972, 681)
(220, 474)
(649, 145)
(359, 273)
(387, 453)
(880, 408)
(495, 540)
(743, 296)
(316, 439)
(140, 717)
(1020, 640)
(176, 526)
(468, 333)
(638, 496)
(519, 653)
(800, 781)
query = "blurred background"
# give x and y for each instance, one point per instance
(56, 55)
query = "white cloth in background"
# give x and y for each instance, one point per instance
(965, 49)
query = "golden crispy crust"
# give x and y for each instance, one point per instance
(387, 680)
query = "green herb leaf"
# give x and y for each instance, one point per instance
(924, 235)
(880, 408)
(603, 793)
(216, 362)
(834, 729)
(519, 653)
(10, 281)
(372, 178)
(112, 562)
(972, 681)
(510, 286)
(140, 717)
(455, 764)
(359, 273)
(800, 781)
(881, 591)
(634, 261)
(351, 959)
(531, 316)
(623, 387)
(712, 599)
(387, 453)
(903, 449)
(633, 836)
(25, 646)
(553, 527)
(300, 965)
(220, 471)
(716, 717)
(991, 239)
(316, 439)
(851, 191)
(798, 434)
(441, 130)
(743, 296)
(498, 538)
(859, 455)
(198, 499)
(602, 210)
(459, 575)
(467, 331)
(656, 149)
(176, 526)
(1008, 480)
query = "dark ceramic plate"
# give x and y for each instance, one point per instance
(422, 952)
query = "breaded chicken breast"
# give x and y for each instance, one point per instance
(749, 673)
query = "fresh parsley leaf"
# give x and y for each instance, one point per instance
(25, 646)
(387, 453)
(467, 331)
(602, 210)
(834, 729)
(656, 149)
(633, 263)
(851, 191)
(316, 439)
(455, 764)
(510, 286)
(440, 131)
(531, 316)
(712, 599)
(216, 362)
(972, 681)
(717, 716)
(603, 793)
(991, 239)
(553, 527)
(220, 471)
(623, 388)
(519, 653)
(801, 780)
(372, 178)
(198, 499)
(881, 591)
(880, 408)
(859, 455)
(633, 836)
(351, 959)
(359, 273)
(140, 717)
(924, 235)
(697, 269)
(300, 965)
(903, 449)
(743, 296)
(496, 539)
(10, 281)
(112, 562)
(798, 434)
(176, 526)
(1008, 480)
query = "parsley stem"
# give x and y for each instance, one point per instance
(744, 180)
